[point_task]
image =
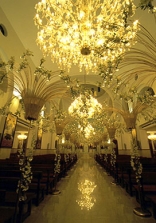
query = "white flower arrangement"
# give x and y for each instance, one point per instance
(135, 163)
(66, 158)
(57, 164)
(105, 157)
(113, 158)
(26, 175)
(113, 154)
(25, 169)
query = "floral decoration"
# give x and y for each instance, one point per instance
(113, 158)
(25, 169)
(57, 164)
(105, 157)
(66, 158)
(26, 175)
(135, 163)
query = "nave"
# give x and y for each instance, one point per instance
(87, 196)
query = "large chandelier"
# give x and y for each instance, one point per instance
(85, 32)
(85, 106)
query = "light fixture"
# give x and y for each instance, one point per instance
(61, 119)
(22, 136)
(84, 106)
(16, 94)
(63, 140)
(88, 131)
(152, 136)
(85, 33)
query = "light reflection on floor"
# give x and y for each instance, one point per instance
(106, 203)
(86, 199)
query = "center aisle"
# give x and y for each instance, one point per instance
(87, 186)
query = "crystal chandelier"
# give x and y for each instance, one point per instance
(84, 106)
(85, 33)
(88, 130)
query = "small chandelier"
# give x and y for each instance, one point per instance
(84, 106)
(88, 33)
(152, 136)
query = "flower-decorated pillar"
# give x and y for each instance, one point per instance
(130, 120)
(111, 132)
(67, 141)
(59, 129)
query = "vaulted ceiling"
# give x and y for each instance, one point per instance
(17, 18)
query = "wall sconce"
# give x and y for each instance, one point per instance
(109, 141)
(152, 136)
(22, 137)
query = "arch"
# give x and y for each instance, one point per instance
(147, 88)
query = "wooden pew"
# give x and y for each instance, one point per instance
(45, 164)
(47, 175)
(123, 172)
(152, 199)
(37, 187)
(6, 213)
(17, 210)
(9, 181)
(147, 184)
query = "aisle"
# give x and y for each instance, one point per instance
(108, 203)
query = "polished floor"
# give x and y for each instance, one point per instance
(87, 196)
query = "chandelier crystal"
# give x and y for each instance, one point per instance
(85, 106)
(85, 33)
(87, 131)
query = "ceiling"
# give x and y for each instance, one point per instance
(17, 18)
(20, 15)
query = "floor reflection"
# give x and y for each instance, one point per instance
(76, 202)
(86, 200)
